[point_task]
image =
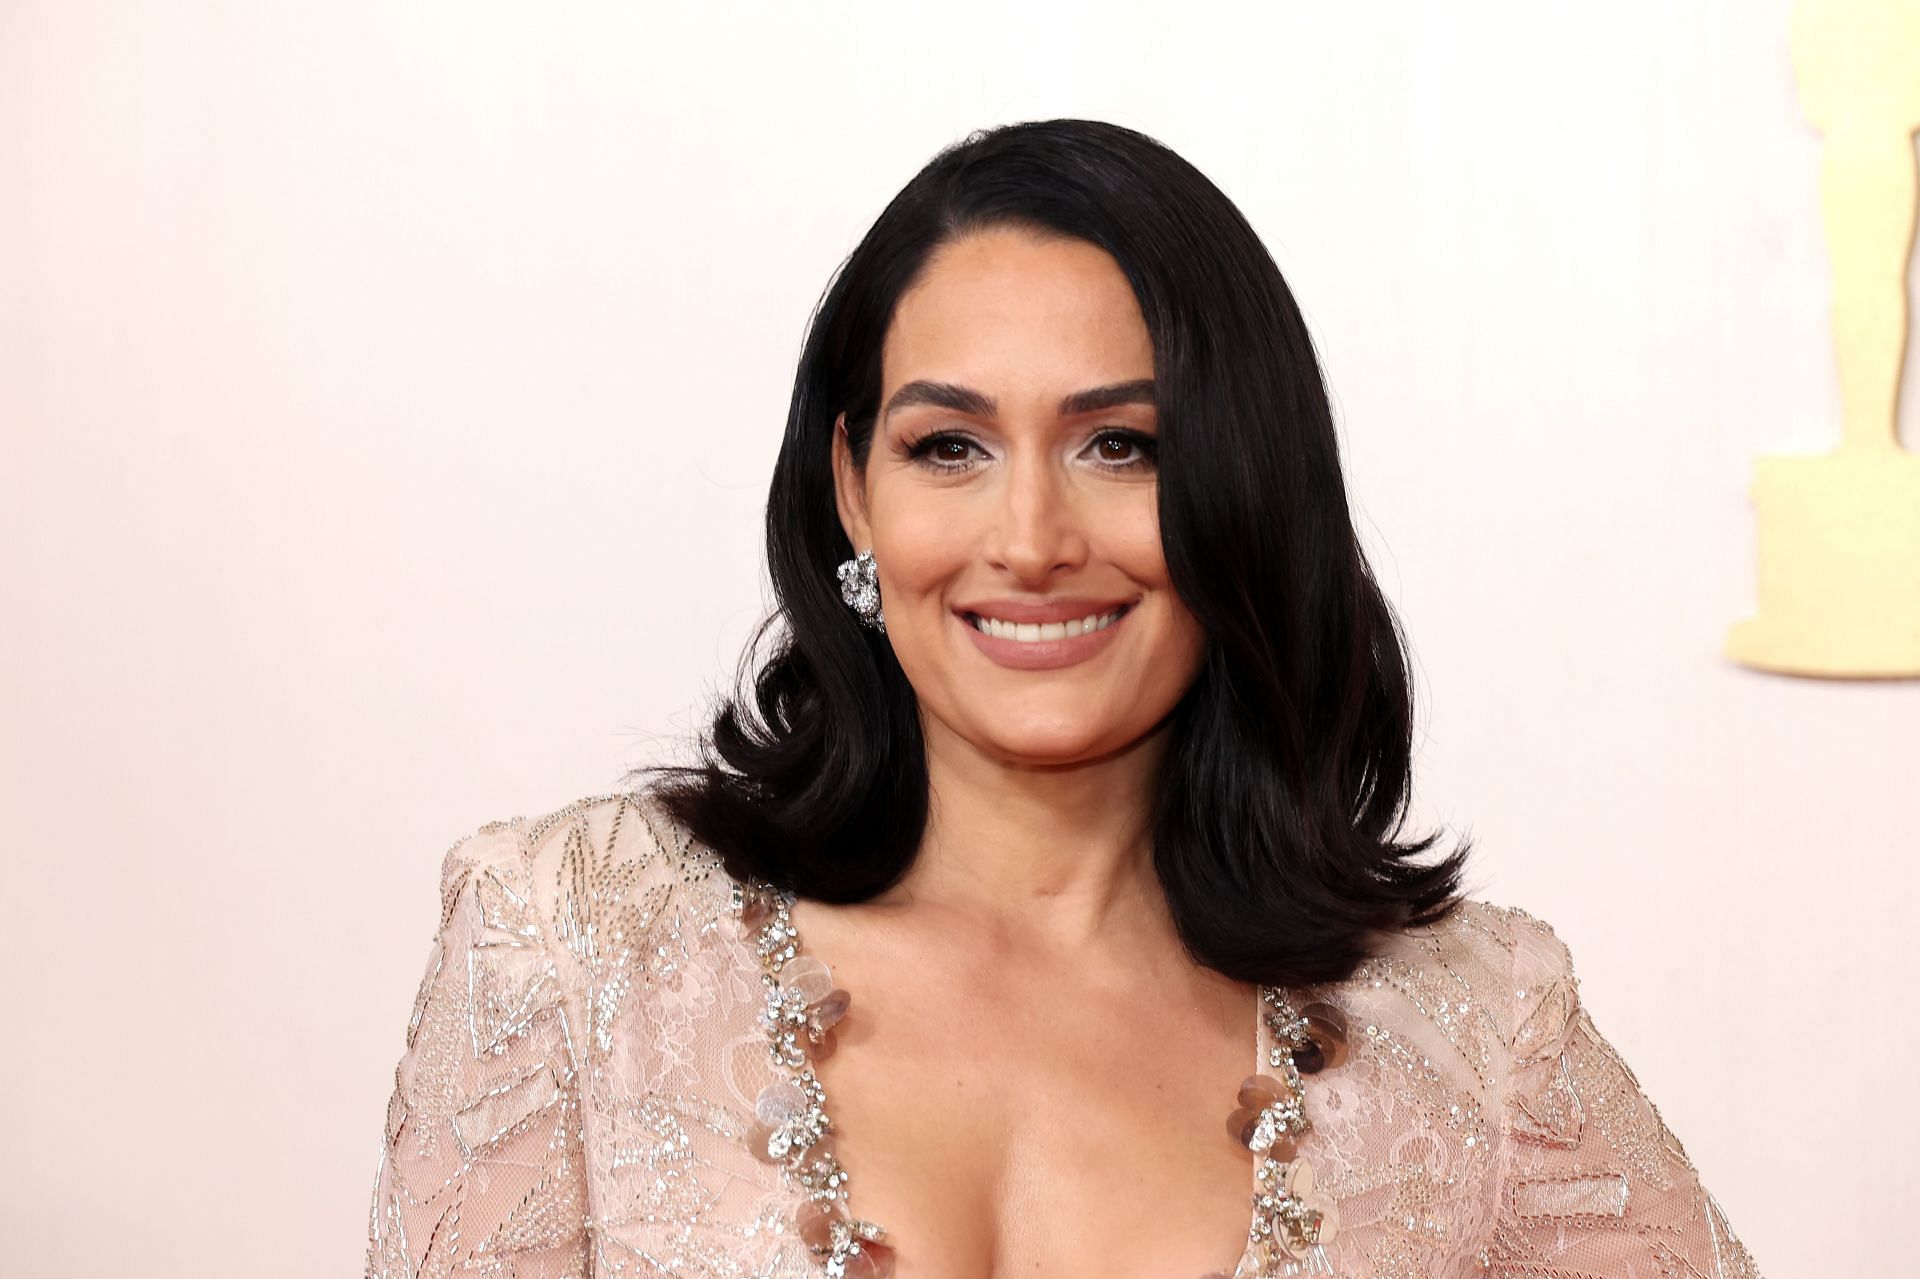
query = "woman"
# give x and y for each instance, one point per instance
(1046, 878)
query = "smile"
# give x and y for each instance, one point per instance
(1044, 632)
(1044, 646)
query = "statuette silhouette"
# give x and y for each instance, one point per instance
(1839, 532)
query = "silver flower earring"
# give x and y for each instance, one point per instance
(860, 588)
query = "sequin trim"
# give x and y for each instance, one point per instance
(795, 1131)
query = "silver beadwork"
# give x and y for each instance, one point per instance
(860, 588)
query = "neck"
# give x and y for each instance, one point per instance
(1041, 860)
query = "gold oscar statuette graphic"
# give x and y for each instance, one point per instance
(1839, 532)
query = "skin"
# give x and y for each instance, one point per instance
(1035, 1077)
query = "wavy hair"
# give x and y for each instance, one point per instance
(1288, 772)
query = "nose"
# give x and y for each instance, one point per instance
(1040, 529)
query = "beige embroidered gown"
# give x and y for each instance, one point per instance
(585, 1052)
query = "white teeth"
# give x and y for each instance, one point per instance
(1040, 632)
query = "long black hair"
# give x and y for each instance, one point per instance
(1288, 772)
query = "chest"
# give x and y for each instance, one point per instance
(998, 1126)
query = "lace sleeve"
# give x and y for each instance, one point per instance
(1595, 1183)
(481, 1170)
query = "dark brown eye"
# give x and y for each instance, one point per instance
(1123, 449)
(944, 452)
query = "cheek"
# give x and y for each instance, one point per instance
(918, 546)
(1131, 539)
(1134, 545)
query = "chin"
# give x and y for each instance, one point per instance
(1052, 742)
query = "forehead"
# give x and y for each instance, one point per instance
(1008, 307)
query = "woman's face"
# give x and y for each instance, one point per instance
(1011, 477)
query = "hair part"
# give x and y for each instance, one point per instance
(1288, 772)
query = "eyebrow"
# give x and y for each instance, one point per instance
(964, 399)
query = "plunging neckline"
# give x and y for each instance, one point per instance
(779, 936)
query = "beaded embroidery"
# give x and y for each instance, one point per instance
(793, 1128)
(569, 1099)
(1293, 1219)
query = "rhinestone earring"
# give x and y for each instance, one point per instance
(860, 588)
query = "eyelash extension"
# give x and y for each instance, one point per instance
(1145, 447)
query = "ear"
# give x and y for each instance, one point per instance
(849, 489)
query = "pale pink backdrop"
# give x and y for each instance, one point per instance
(388, 397)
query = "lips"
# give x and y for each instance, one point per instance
(1045, 645)
(1064, 608)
